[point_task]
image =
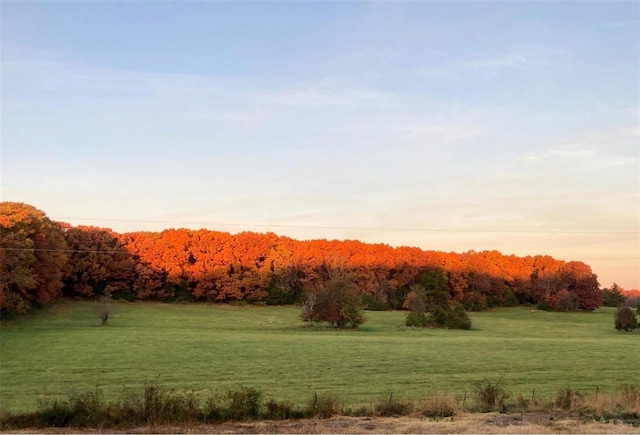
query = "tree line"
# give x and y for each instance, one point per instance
(41, 260)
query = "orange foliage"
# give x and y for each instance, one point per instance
(218, 266)
(32, 254)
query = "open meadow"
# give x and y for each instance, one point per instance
(203, 348)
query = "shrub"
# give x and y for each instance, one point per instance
(213, 411)
(375, 302)
(417, 319)
(440, 406)
(567, 399)
(438, 317)
(625, 320)
(105, 309)
(444, 314)
(58, 414)
(324, 406)
(244, 403)
(416, 303)
(88, 409)
(281, 410)
(491, 396)
(390, 407)
(530, 405)
(457, 317)
(629, 399)
(338, 303)
(278, 295)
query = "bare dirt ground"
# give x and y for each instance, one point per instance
(469, 423)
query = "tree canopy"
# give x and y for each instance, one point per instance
(41, 258)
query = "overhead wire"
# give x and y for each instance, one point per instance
(408, 229)
(353, 228)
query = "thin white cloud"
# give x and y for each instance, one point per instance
(511, 61)
(592, 151)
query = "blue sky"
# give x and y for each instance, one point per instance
(502, 125)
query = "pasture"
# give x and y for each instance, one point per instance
(46, 354)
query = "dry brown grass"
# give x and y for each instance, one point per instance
(491, 423)
(440, 406)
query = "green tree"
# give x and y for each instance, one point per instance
(443, 312)
(457, 317)
(436, 284)
(416, 303)
(613, 297)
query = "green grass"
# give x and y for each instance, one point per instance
(47, 354)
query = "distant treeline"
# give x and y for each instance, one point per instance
(41, 260)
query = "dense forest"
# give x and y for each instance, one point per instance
(42, 260)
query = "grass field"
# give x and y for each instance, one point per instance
(47, 354)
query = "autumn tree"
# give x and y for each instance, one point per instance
(582, 285)
(339, 302)
(98, 264)
(204, 265)
(32, 254)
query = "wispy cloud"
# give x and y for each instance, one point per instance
(512, 61)
(591, 151)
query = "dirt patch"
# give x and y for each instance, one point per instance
(491, 423)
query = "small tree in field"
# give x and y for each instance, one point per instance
(416, 303)
(104, 309)
(444, 313)
(625, 320)
(308, 306)
(613, 297)
(339, 303)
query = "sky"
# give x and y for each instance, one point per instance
(451, 126)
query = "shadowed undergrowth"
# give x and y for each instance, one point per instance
(157, 405)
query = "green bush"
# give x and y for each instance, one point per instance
(375, 302)
(390, 407)
(281, 410)
(457, 317)
(214, 410)
(625, 320)
(323, 405)
(163, 406)
(277, 295)
(58, 414)
(439, 317)
(417, 319)
(244, 403)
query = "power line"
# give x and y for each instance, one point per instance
(92, 251)
(323, 227)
